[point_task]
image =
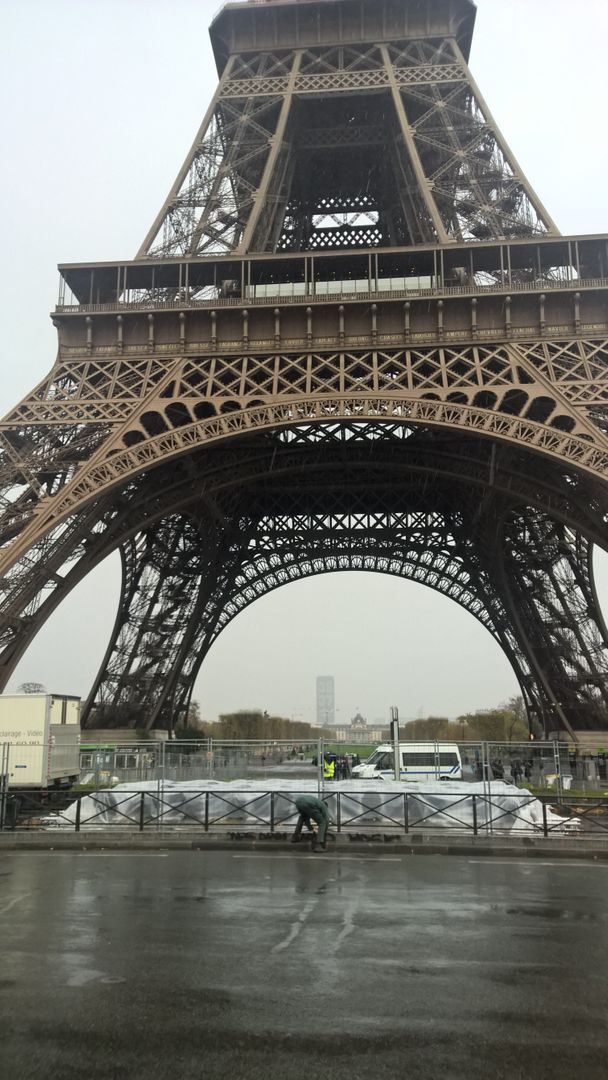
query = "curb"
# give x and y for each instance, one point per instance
(413, 844)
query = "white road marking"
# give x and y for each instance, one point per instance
(366, 858)
(539, 862)
(92, 854)
(348, 925)
(297, 925)
(81, 978)
(14, 901)
(319, 859)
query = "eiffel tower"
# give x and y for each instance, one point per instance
(353, 338)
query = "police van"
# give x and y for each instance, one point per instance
(418, 761)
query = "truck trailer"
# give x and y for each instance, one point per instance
(39, 740)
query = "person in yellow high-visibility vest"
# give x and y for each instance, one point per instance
(329, 768)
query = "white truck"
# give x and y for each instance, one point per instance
(39, 740)
(419, 761)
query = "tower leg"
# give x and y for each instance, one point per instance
(167, 573)
(549, 588)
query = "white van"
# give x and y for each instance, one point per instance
(419, 761)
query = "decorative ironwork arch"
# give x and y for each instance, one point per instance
(71, 550)
(108, 471)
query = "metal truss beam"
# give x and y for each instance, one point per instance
(249, 182)
(548, 582)
(548, 396)
(167, 572)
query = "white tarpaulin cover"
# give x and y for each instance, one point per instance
(365, 805)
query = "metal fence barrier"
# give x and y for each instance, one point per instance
(545, 766)
(208, 759)
(275, 811)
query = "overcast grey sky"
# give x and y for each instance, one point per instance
(100, 102)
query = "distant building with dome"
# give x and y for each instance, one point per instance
(359, 731)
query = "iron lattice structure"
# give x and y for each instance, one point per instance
(352, 339)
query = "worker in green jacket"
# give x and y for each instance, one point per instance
(311, 809)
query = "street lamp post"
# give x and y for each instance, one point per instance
(395, 738)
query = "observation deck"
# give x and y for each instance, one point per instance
(301, 24)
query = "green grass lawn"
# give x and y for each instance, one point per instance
(350, 748)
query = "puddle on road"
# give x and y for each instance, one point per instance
(555, 913)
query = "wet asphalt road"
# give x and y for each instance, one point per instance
(334, 967)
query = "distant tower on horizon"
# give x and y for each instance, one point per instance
(326, 700)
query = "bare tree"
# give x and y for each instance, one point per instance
(31, 688)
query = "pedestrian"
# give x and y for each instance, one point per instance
(528, 770)
(311, 809)
(329, 768)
